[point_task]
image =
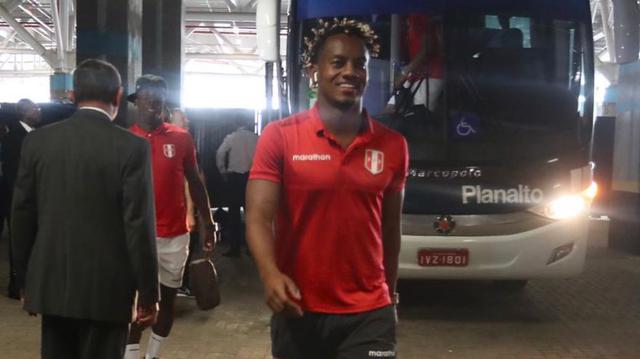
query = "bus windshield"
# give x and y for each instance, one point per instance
(484, 86)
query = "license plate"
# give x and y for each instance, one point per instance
(443, 257)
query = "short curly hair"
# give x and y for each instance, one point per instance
(327, 28)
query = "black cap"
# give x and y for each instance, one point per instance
(148, 81)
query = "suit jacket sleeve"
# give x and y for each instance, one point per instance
(139, 223)
(24, 214)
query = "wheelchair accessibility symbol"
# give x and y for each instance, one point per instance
(464, 129)
(464, 125)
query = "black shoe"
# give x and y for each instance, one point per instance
(184, 292)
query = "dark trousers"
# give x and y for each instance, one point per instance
(6, 215)
(363, 335)
(68, 338)
(237, 187)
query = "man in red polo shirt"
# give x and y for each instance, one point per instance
(173, 159)
(331, 179)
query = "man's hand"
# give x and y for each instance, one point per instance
(282, 295)
(147, 315)
(399, 82)
(23, 301)
(191, 223)
(208, 233)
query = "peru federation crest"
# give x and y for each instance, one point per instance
(374, 161)
(169, 150)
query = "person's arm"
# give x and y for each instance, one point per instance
(420, 58)
(391, 235)
(221, 154)
(24, 215)
(140, 231)
(191, 215)
(392, 219)
(198, 193)
(262, 204)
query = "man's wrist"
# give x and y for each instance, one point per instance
(395, 298)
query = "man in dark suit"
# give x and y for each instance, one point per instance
(83, 228)
(28, 118)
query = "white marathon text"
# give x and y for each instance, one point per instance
(382, 354)
(312, 157)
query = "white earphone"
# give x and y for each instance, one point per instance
(315, 77)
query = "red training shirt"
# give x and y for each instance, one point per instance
(172, 151)
(328, 225)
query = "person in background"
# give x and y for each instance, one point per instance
(83, 230)
(29, 117)
(506, 37)
(324, 206)
(3, 132)
(233, 159)
(424, 74)
(173, 160)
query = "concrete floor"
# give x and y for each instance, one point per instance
(595, 315)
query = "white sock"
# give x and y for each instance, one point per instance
(153, 348)
(132, 351)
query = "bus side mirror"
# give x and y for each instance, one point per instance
(267, 27)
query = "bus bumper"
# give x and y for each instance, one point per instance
(525, 255)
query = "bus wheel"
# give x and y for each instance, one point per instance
(511, 285)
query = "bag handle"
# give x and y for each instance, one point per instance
(208, 255)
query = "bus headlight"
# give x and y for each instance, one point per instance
(565, 207)
(568, 206)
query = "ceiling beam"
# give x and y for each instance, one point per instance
(37, 19)
(219, 56)
(231, 5)
(607, 29)
(199, 16)
(12, 4)
(27, 37)
(7, 39)
(58, 23)
(14, 51)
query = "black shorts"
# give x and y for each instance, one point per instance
(363, 335)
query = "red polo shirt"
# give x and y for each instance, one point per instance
(328, 226)
(172, 151)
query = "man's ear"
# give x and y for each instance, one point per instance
(312, 73)
(118, 98)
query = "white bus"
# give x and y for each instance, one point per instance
(499, 131)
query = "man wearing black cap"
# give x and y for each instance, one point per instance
(173, 160)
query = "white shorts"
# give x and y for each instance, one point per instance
(172, 257)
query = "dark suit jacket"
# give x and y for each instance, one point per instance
(83, 220)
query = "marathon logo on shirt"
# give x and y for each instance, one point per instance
(374, 161)
(382, 353)
(169, 150)
(312, 157)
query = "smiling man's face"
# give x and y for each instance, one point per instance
(342, 71)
